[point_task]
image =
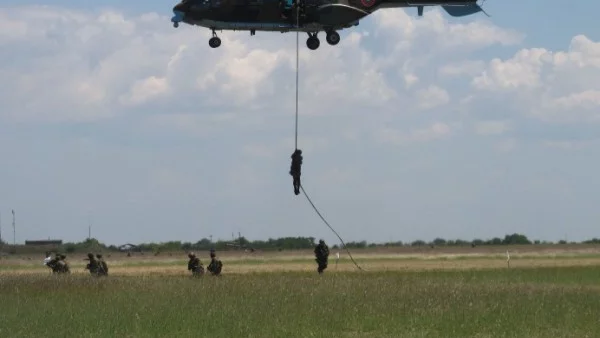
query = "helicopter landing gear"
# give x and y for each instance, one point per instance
(215, 41)
(177, 18)
(333, 38)
(313, 41)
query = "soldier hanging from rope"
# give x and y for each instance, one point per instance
(295, 169)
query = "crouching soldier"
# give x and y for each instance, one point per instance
(195, 266)
(58, 264)
(63, 264)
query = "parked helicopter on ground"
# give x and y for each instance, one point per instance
(310, 16)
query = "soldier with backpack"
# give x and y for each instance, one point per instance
(102, 266)
(215, 265)
(58, 264)
(194, 265)
(321, 256)
(93, 265)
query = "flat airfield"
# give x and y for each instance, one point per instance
(547, 291)
(376, 259)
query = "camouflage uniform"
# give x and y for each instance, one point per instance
(195, 266)
(102, 266)
(322, 256)
(52, 263)
(215, 265)
(93, 265)
(61, 265)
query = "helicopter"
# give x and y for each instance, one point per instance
(309, 16)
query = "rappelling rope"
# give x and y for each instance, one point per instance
(296, 136)
(297, 67)
(326, 223)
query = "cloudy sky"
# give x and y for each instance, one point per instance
(412, 128)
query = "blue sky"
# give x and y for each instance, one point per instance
(412, 128)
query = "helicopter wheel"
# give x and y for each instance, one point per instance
(313, 42)
(214, 42)
(333, 38)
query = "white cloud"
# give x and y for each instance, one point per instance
(434, 31)
(410, 79)
(435, 131)
(559, 86)
(431, 97)
(492, 127)
(113, 62)
(468, 67)
(587, 99)
(523, 70)
(144, 90)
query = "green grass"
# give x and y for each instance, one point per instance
(543, 302)
(36, 264)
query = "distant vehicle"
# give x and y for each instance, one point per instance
(129, 248)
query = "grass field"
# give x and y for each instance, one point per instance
(449, 294)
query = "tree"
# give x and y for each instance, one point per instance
(418, 242)
(516, 239)
(439, 242)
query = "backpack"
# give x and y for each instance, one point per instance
(216, 268)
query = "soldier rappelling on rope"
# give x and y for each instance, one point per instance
(295, 169)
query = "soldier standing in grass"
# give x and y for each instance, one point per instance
(53, 263)
(61, 264)
(215, 265)
(322, 256)
(102, 266)
(194, 265)
(92, 266)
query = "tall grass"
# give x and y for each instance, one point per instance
(543, 302)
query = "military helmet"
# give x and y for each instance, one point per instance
(90, 255)
(98, 255)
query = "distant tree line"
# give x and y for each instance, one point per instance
(284, 243)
